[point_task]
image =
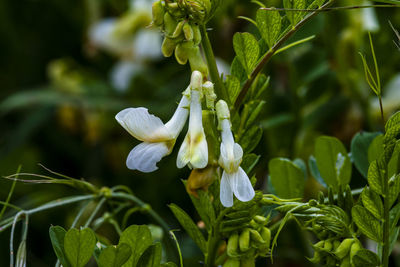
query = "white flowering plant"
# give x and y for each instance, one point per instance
(240, 213)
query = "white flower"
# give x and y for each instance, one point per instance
(234, 179)
(158, 138)
(194, 150)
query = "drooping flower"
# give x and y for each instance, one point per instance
(234, 179)
(194, 150)
(158, 138)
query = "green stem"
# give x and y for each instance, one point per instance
(212, 65)
(381, 107)
(267, 56)
(95, 211)
(214, 239)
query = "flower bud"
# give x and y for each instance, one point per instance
(266, 235)
(244, 240)
(168, 47)
(256, 237)
(328, 245)
(196, 61)
(196, 34)
(182, 52)
(178, 29)
(231, 262)
(208, 90)
(169, 24)
(260, 219)
(317, 257)
(232, 247)
(354, 249)
(222, 111)
(346, 262)
(188, 32)
(158, 13)
(344, 248)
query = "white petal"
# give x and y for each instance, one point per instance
(199, 153)
(142, 125)
(241, 185)
(145, 156)
(184, 153)
(225, 191)
(178, 120)
(230, 157)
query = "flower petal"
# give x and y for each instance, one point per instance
(199, 152)
(230, 161)
(142, 125)
(145, 156)
(241, 185)
(184, 153)
(225, 191)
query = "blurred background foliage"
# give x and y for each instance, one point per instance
(61, 88)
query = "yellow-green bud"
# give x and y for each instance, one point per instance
(232, 246)
(196, 34)
(344, 248)
(260, 219)
(320, 244)
(168, 47)
(197, 62)
(354, 249)
(255, 236)
(266, 235)
(208, 90)
(317, 257)
(346, 262)
(178, 29)
(328, 246)
(230, 262)
(188, 32)
(182, 53)
(169, 24)
(158, 13)
(244, 240)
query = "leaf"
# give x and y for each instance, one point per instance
(249, 162)
(57, 234)
(114, 256)
(312, 165)
(359, 150)
(294, 16)
(375, 149)
(79, 246)
(375, 178)
(367, 223)
(332, 161)
(190, 227)
(365, 258)
(204, 207)
(394, 189)
(316, 4)
(302, 165)
(394, 163)
(151, 257)
(393, 121)
(254, 109)
(372, 202)
(233, 86)
(269, 24)
(286, 178)
(138, 237)
(247, 50)
(237, 70)
(250, 139)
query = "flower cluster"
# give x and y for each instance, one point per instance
(158, 139)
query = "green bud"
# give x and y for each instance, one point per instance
(344, 248)
(158, 13)
(188, 32)
(208, 90)
(197, 63)
(244, 240)
(260, 219)
(182, 53)
(253, 223)
(319, 245)
(169, 24)
(256, 237)
(168, 47)
(328, 245)
(266, 235)
(196, 34)
(346, 262)
(231, 262)
(232, 246)
(316, 258)
(354, 249)
(178, 29)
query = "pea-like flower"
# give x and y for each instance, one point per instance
(194, 150)
(158, 138)
(234, 179)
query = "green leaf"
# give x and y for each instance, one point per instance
(233, 86)
(375, 178)
(204, 207)
(365, 258)
(286, 178)
(393, 121)
(237, 70)
(57, 234)
(372, 202)
(332, 161)
(394, 189)
(250, 139)
(316, 4)
(254, 108)
(151, 257)
(375, 149)
(79, 246)
(190, 227)
(247, 50)
(312, 165)
(394, 163)
(294, 16)
(359, 150)
(114, 256)
(249, 162)
(138, 237)
(367, 223)
(269, 24)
